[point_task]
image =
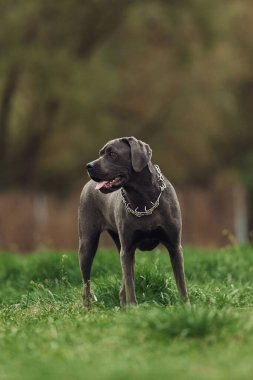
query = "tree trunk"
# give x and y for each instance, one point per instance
(5, 109)
(26, 161)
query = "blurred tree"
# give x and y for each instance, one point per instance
(74, 74)
(237, 145)
(175, 91)
(45, 47)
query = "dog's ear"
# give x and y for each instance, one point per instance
(141, 153)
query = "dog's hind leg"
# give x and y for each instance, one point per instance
(127, 265)
(88, 243)
(122, 292)
(115, 238)
(177, 262)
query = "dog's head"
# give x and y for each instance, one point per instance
(117, 162)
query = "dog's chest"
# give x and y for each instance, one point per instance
(148, 239)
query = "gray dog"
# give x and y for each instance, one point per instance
(130, 199)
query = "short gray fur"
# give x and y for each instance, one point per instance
(129, 160)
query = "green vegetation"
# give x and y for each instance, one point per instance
(45, 333)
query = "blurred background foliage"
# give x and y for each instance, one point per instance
(177, 74)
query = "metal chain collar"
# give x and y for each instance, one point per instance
(155, 204)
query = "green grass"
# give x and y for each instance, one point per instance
(46, 334)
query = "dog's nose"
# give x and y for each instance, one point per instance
(89, 166)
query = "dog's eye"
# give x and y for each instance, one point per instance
(112, 154)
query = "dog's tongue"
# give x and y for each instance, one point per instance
(100, 184)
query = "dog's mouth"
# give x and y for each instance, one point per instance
(110, 185)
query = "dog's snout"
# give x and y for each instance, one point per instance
(89, 166)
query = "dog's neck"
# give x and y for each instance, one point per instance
(143, 188)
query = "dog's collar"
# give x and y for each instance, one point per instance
(155, 204)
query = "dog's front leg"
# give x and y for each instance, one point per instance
(87, 249)
(127, 265)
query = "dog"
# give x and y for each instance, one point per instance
(129, 197)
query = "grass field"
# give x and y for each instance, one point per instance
(46, 334)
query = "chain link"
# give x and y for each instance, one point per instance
(155, 204)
